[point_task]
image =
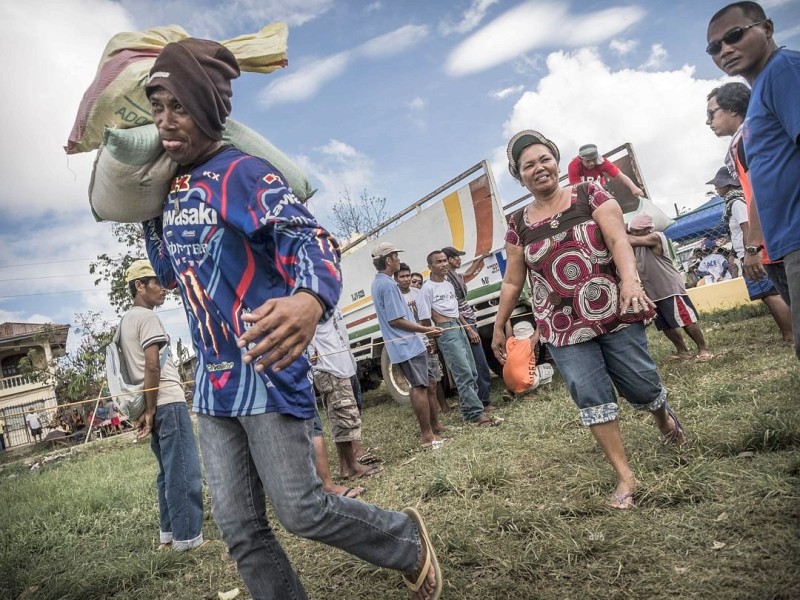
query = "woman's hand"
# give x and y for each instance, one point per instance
(499, 345)
(633, 298)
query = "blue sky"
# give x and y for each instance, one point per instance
(395, 97)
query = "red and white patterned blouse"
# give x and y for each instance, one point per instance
(574, 282)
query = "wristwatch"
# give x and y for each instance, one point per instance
(753, 250)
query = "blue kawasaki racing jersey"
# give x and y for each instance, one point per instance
(232, 236)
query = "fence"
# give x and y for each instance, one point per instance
(51, 415)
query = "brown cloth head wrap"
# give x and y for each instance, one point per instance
(198, 73)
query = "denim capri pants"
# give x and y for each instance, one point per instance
(618, 360)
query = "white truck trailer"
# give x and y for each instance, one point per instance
(465, 213)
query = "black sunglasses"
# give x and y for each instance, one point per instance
(732, 37)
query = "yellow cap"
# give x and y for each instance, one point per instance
(138, 270)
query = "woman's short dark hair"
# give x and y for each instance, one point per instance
(733, 96)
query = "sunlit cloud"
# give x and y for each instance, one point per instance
(471, 18)
(521, 30)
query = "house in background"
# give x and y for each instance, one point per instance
(18, 392)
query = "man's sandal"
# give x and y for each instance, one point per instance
(415, 581)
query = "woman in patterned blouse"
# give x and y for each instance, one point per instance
(589, 306)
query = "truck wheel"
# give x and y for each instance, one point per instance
(395, 380)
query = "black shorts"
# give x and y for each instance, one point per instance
(416, 370)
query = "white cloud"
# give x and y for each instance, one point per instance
(527, 64)
(536, 25)
(471, 18)
(506, 92)
(394, 42)
(666, 126)
(417, 104)
(47, 66)
(784, 35)
(336, 166)
(10, 316)
(373, 6)
(307, 81)
(622, 47)
(657, 58)
(339, 150)
(221, 20)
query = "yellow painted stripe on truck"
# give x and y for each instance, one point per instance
(356, 304)
(452, 207)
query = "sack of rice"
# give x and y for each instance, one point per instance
(132, 173)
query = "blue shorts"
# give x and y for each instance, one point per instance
(618, 360)
(760, 288)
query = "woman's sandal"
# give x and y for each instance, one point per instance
(677, 436)
(622, 501)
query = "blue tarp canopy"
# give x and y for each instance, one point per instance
(705, 221)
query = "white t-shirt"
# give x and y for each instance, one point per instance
(714, 264)
(332, 346)
(33, 420)
(438, 296)
(738, 216)
(141, 328)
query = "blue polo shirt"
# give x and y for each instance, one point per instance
(389, 305)
(771, 132)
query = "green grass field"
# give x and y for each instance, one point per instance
(516, 512)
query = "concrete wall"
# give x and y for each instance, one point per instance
(716, 296)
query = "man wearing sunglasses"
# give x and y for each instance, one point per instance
(740, 41)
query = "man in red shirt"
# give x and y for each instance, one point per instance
(590, 166)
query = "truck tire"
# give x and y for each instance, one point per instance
(394, 379)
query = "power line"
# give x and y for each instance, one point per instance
(49, 262)
(47, 277)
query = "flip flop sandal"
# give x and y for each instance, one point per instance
(368, 458)
(677, 434)
(415, 581)
(620, 501)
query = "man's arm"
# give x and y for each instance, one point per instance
(574, 172)
(753, 265)
(650, 240)
(473, 336)
(157, 253)
(425, 329)
(152, 379)
(636, 191)
(476, 266)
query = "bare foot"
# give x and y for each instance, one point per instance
(344, 491)
(361, 472)
(703, 356)
(426, 591)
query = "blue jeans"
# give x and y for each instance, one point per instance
(179, 481)
(273, 453)
(482, 367)
(593, 369)
(455, 348)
